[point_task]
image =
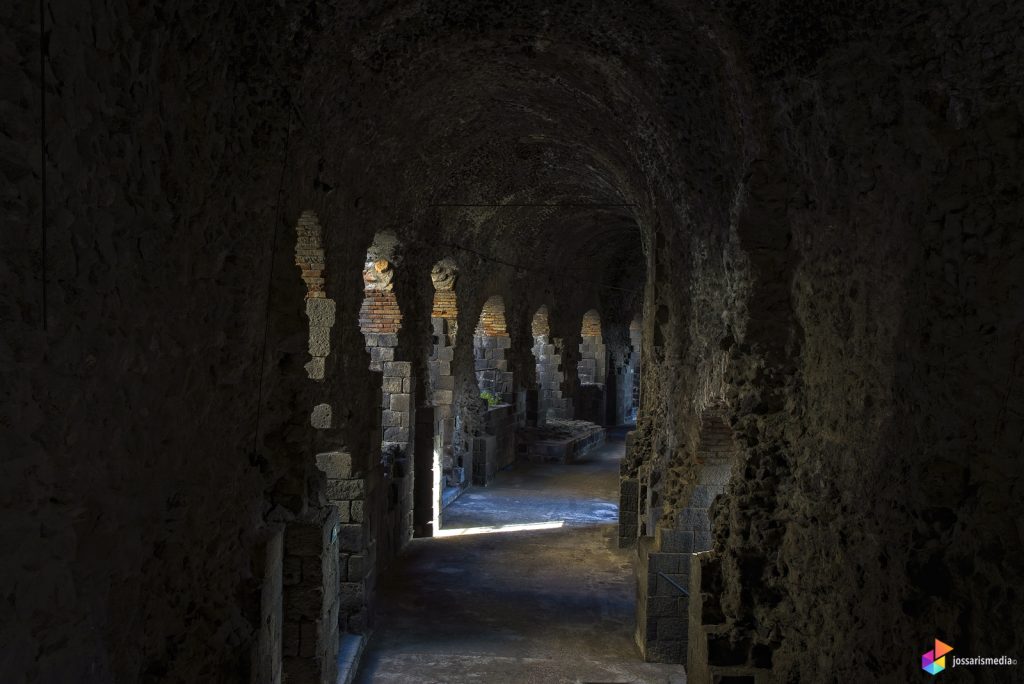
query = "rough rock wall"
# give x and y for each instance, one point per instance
(872, 373)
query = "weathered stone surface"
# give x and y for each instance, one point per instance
(346, 490)
(335, 464)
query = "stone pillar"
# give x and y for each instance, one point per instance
(310, 580)
(356, 565)
(549, 378)
(397, 420)
(426, 473)
(663, 596)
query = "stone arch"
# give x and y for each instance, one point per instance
(549, 373)
(593, 364)
(493, 446)
(592, 370)
(490, 340)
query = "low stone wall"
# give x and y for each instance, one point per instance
(537, 448)
(355, 550)
(496, 448)
(663, 596)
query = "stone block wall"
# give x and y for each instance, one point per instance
(310, 579)
(688, 531)
(496, 448)
(528, 410)
(663, 596)
(382, 349)
(636, 342)
(442, 381)
(397, 402)
(492, 370)
(549, 377)
(593, 363)
(349, 494)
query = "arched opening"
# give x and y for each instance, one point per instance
(495, 448)
(549, 373)
(490, 340)
(591, 371)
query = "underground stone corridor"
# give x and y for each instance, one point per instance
(320, 323)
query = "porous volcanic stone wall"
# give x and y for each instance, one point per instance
(860, 295)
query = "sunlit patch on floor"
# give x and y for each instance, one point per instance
(494, 529)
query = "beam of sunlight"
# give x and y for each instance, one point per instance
(493, 529)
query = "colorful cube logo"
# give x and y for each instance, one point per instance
(934, 662)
